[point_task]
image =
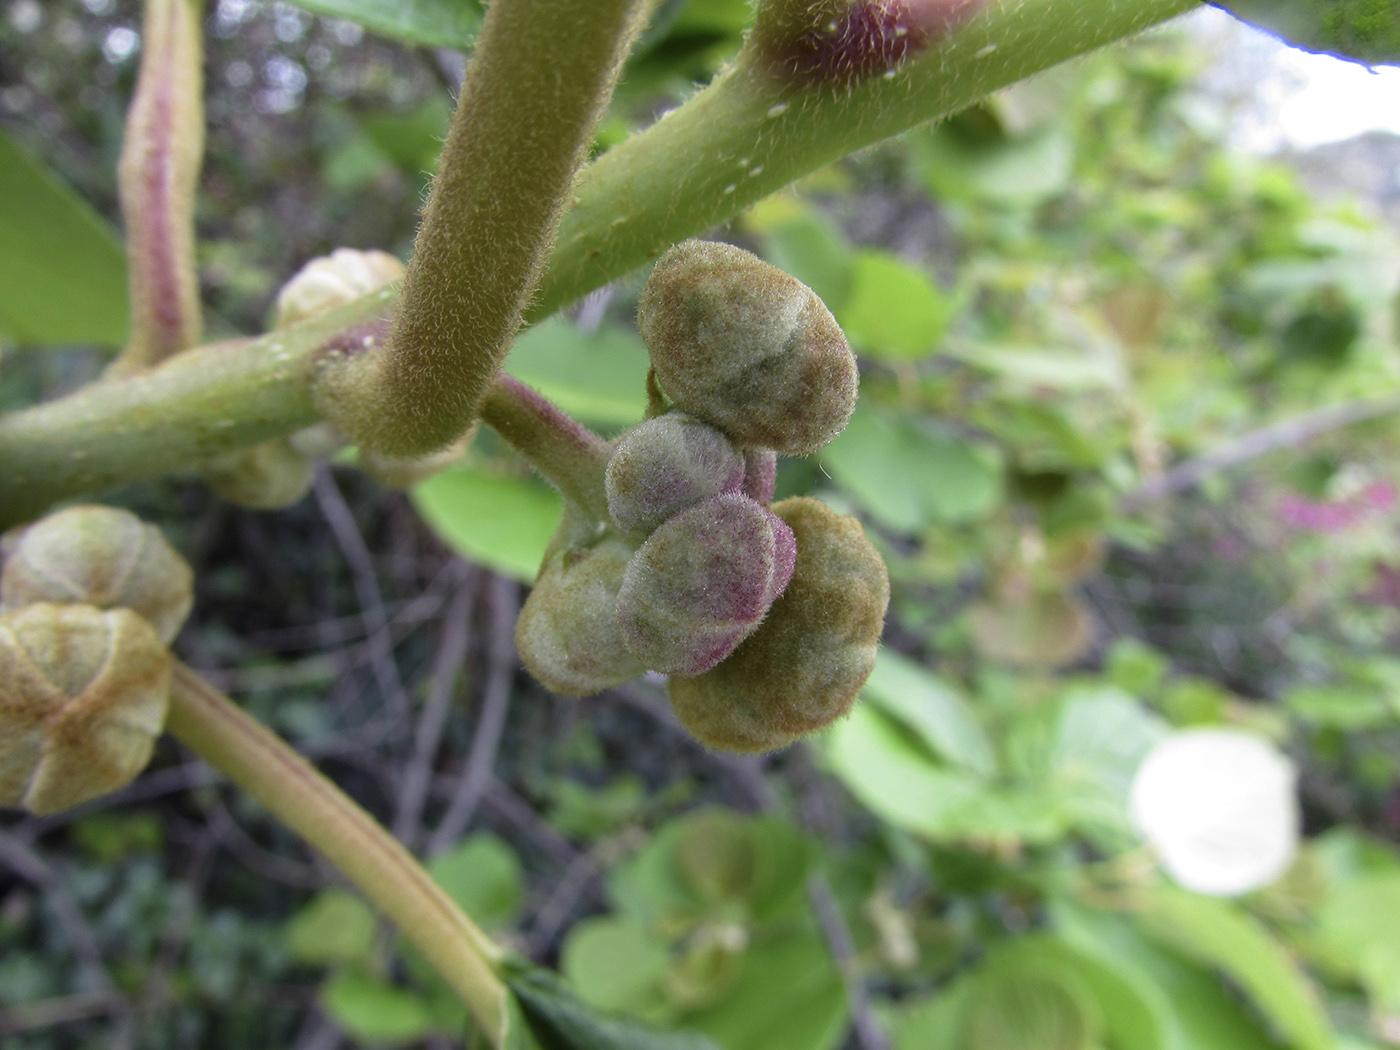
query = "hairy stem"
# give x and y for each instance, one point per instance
(747, 135)
(290, 787)
(215, 399)
(564, 451)
(541, 73)
(159, 169)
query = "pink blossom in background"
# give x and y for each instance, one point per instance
(1336, 515)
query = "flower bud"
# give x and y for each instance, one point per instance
(102, 556)
(83, 695)
(760, 474)
(567, 635)
(747, 348)
(802, 668)
(268, 476)
(403, 472)
(333, 280)
(664, 466)
(702, 583)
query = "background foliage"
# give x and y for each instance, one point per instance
(1055, 295)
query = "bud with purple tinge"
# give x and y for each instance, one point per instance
(703, 582)
(804, 665)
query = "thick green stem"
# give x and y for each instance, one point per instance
(290, 787)
(563, 450)
(203, 402)
(161, 157)
(540, 76)
(752, 132)
(747, 135)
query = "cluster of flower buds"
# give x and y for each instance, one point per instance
(766, 618)
(90, 598)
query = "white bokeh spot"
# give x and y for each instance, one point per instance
(1220, 808)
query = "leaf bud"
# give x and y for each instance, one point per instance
(702, 582)
(665, 465)
(267, 476)
(803, 667)
(747, 348)
(333, 280)
(102, 556)
(83, 696)
(567, 635)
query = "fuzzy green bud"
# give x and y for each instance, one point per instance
(267, 476)
(102, 556)
(567, 635)
(702, 582)
(329, 281)
(803, 667)
(747, 348)
(666, 465)
(83, 696)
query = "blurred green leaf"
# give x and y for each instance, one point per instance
(931, 707)
(62, 268)
(811, 249)
(412, 141)
(788, 996)
(599, 376)
(1199, 1012)
(910, 473)
(1365, 30)
(1344, 707)
(374, 1010)
(1101, 739)
(437, 23)
(1220, 934)
(1360, 921)
(615, 963)
(894, 310)
(559, 1021)
(501, 522)
(483, 875)
(1015, 170)
(336, 927)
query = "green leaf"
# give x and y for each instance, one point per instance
(893, 777)
(374, 1010)
(437, 23)
(483, 875)
(1365, 30)
(1344, 707)
(910, 473)
(814, 252)
(559, 1021)
(411, 140)
(1220, 934)
(62, 268)
(336, 926)
(598, 376)
(615, 964)
(930, 707)
(894, 311)
(1198, 1011)
(789, 996)
(1360, 922)
(1133, 1010)
(1102, 737)
(503, 523)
